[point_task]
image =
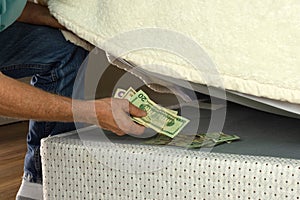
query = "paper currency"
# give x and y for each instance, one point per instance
(158, 118)
(119, 93)
(129, 93)
(162, 120)
(193, 141)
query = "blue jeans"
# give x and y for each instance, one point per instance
(52, 62)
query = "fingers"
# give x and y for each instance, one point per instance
(126, 124)
(136, 129)
(118, 132)
(114, 116)
(135, 111)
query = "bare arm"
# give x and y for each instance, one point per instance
(24, 101)
(38, 15)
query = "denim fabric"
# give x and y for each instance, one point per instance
(43, 53)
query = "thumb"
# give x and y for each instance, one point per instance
(135, 111)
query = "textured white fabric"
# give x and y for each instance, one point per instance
(102, 170)
(76, 40)
(255, 44)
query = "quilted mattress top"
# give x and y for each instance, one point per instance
(254, 45)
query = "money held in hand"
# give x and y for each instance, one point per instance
(157, 118)
(160, 119)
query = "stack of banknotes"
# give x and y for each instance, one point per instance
(160, 119)
(168, 124)
(207, 140)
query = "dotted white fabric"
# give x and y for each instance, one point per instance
(73, 169)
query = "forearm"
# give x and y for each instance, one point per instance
(38, 15)
(21, 100)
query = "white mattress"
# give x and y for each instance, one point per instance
(254, 44)
(80, 169)
(260, 103)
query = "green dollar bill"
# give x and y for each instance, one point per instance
(192, 141)
(226, 138)
(158, 118)
(171, 111)
(129, 93)
(158, 140)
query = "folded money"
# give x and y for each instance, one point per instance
(160, 119)
(130, 92)
(193, 141)
(168, 124)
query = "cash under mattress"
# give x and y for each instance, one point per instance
(264, 164)
(255, 45)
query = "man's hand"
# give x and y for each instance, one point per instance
(38, 15)
(114, 115)
(111, 114)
